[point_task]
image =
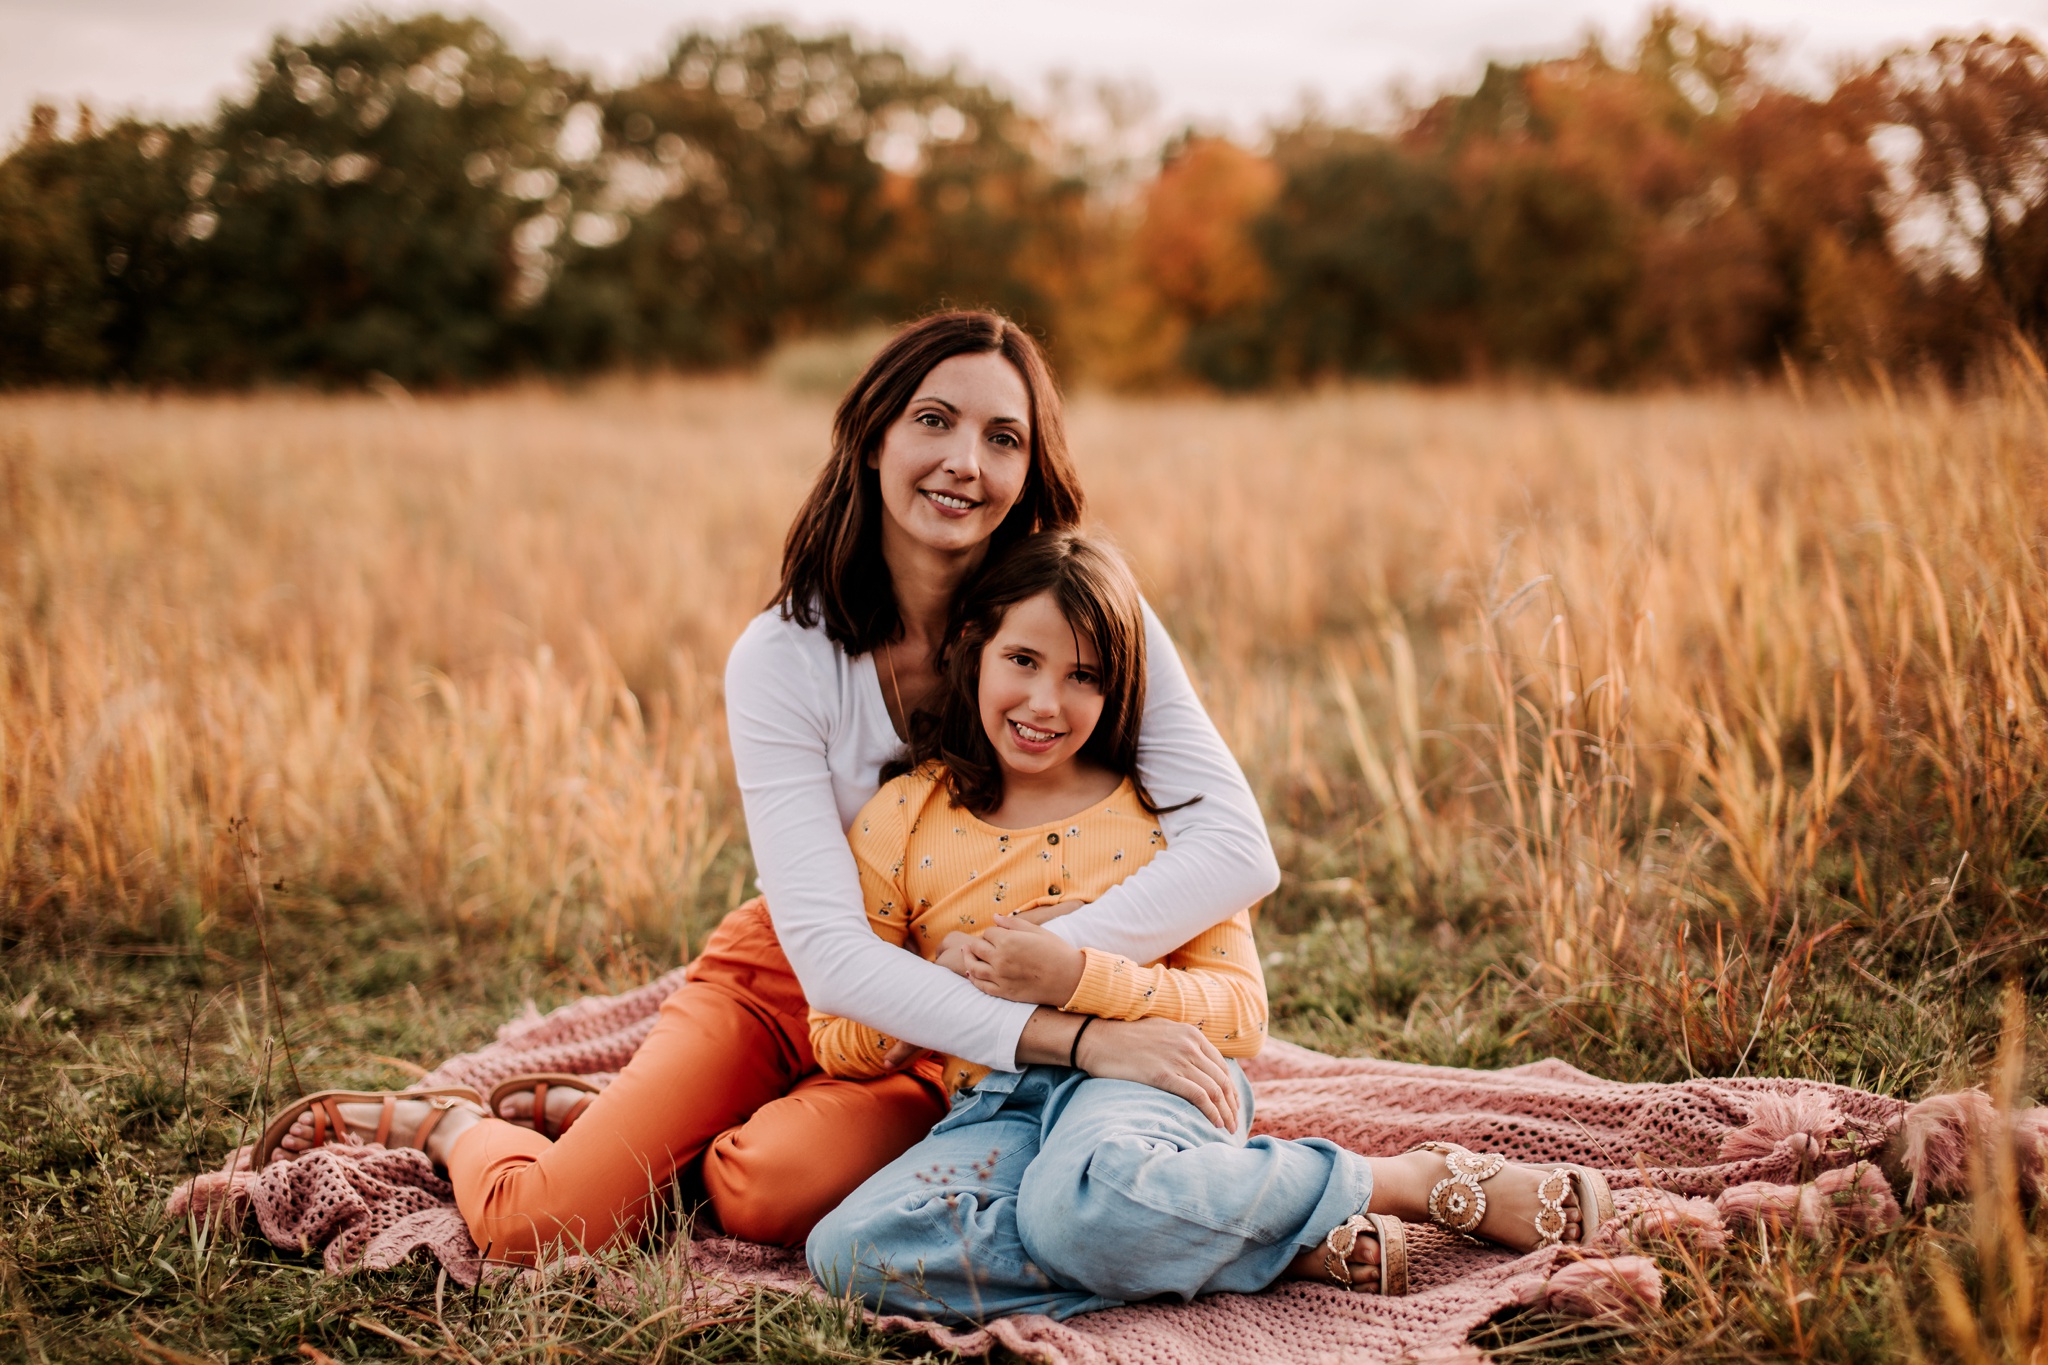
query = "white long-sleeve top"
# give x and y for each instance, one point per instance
(810, 733)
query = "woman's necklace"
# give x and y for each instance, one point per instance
(889, 655)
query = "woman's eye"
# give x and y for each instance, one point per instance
(930, 419)
(1005, 438)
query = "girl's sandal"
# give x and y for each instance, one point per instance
(1458, 1203)
(538, 1082)
(1385, 1230)
(330, 1130)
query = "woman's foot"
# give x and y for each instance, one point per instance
(364, 1117)
(564, 1104)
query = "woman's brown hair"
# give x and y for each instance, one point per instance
(832, 566)
(1097, 595)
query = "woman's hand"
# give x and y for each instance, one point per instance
(1017, 960)
(1167, 1055)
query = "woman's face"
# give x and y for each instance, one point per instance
(954, 463)
(1041, 688)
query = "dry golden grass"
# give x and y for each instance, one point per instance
(1578, 660)
(1724, 713)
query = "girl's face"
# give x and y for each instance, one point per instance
(1041, 689)
(953, 465)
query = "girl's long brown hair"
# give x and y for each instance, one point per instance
(832, 566)
(1099, 598)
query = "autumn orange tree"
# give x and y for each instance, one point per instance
(1975, 113)
(1672, 215)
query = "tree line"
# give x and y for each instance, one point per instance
(412, 198)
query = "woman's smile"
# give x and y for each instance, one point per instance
(949, 504)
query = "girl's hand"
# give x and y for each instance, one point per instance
(1167, 1055)
(1017, 960)
(1052, 910)
(900, 1055)
(953, 952)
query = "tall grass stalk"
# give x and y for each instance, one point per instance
(1624, 674)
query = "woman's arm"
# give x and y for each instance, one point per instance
(1217, 860)
(777, 718)
(846, 1049)
(1161, 1053)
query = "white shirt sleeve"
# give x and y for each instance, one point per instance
(778, 718)
(1218, 859)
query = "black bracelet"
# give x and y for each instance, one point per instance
(1074, 1052)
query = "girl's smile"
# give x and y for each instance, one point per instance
(1040, 692)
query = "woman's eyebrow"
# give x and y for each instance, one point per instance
(934, 398)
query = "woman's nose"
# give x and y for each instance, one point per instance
(963, 455)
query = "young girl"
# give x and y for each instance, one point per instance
(1048, 1190)
(1021, 804)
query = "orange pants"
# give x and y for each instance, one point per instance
(726, 1080)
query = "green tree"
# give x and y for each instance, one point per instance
(1372, 259)
(766, 185)
(91, 247)
(384, 200)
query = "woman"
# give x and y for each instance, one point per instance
(950, 444)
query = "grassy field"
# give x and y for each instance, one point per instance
(1673, 735)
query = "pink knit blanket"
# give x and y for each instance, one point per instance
(1686, 1160)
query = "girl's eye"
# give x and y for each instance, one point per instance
(1084, 677)
(1023, 661)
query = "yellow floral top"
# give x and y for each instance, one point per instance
(928, 867)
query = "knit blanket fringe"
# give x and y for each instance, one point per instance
(1687, 1160)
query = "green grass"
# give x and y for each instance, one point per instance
(128, 1066)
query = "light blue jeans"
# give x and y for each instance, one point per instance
(1048, 1191)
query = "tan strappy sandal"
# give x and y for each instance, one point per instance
(538, 1082)
(329, 1129)
(1393, 1240)
(1458, 1201)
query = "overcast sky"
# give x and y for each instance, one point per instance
(1223, 63)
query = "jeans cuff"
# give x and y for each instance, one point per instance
(1349, 1191)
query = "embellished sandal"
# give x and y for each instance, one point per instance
(1458, 1203)
(538, 1082)
(1393, 1240)
(330, 1130)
